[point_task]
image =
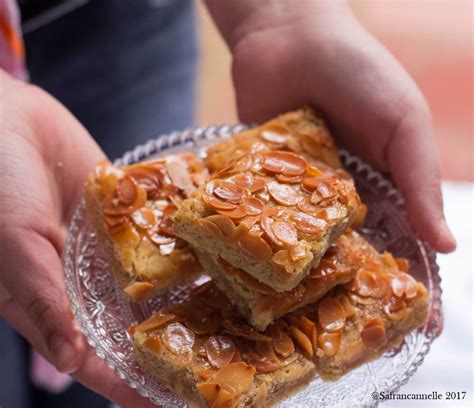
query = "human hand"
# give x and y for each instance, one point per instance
(290, 53)
(45, 155)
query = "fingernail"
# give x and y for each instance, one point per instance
(62, 352)
(448, 236)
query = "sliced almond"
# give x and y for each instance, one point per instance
(243, 330)
(288, 163)
(282, 343)
(249, 181)
(265, 349)
(330, 342)
(156, 321)
(308, 224)
(275, 133)
(302, 341)
(308, 327)
(235, 377)
(179, 174)
(224, 223)
(210, 391)
(371, 284)
(197, 320)
(235, 214)
(255, 247)
(127, 191)
(395, 309)
(282, 193)
(217, 204)
(228, 192)
(289, 179)
(225, 399)
(264, 365)
(144, 218)
(253, 206)
(211, 228)
(331, 315)
(402, 264)
(285, 233)
(220, 350)
(373, 336)
(178, 339)
(138, 290)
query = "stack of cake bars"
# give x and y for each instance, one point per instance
(295, 291)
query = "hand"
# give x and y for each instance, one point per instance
(290, 53)
(45, 155)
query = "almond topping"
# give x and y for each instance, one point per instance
(404, 284)
(127, 190)
(297, 253)
(179, 174)
(370, 284)
(211, 228)
(155, 321)
(302, 340)
(253, 206)
(255, 247)
(235, 377)
(217, 204)
(310, 183)
(305, 205)
(159, 239)
(331, 315)
(220, 350)
(204, 372)
(125, 235)
(388, 259)
(288, 163)
(224, 399)
(285, 232)
(178, 339)
(403, 264)
(373, 335)
(282, 193)
(282, 343)
(330, 342)
(250, 182)
(225, 224)
(361, 214)
(308, 224)
(138, 290)
(144, 218)
(229, 192)
(308, 327)
(235, 214)
(264, 365)
(347, 304)
(265, 349)
(154, 344)
(289, 179)
(210, 391)
(395, 309)
(275, 133)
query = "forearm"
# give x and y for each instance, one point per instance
(237, 19)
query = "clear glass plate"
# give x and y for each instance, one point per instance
(104, 313)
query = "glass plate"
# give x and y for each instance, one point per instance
(104, 313)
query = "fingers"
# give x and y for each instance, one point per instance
(95, 374)
(39, 291)
(413, 162)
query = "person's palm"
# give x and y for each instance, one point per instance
(372, 105)
(45, 155)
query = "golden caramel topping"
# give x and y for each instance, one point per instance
(368, 283)
(220, 350)
(154, 344)
(331, 315)
(265, 349)
(156, 321)
(138, 290)
(178, 339)
(263, 365)
(282, 343)
(373, 334)
(302, 341)
(198, 321)
(330, 342)
(282, 193)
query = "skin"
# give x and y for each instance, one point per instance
(283, 57)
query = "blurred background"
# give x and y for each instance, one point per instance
(433, 39)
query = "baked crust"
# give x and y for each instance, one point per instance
(132, 211)
(272, 209)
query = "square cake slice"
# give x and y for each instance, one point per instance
(132, 211)
(204, 351)
(261, 304)
(359, 321)
(272, 213)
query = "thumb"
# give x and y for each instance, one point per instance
(32, 274)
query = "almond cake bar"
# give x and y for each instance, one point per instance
(261, 304)
(203, 349)
(272, 213)
(132, 210)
